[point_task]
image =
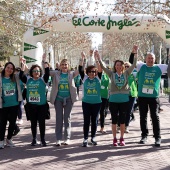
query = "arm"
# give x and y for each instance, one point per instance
(46, 75)
(100, 75)
(97, 61)
(23, 77)
(135, 55)
(107, 71)
(81, 72)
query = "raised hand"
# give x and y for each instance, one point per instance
(135, 49)
(96, 55)
(83, 56)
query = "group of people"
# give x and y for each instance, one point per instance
(96, 79)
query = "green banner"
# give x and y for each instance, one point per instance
(28, 46)
(29, 59)
(167, 34)
(39, 31)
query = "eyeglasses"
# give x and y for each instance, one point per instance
(36, 71)
(92, 71)
(126, 66)
(64, 64)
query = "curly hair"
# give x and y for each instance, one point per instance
(89, 68)
(12, 76)
(32, 68)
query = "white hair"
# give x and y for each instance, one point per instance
(150, 53)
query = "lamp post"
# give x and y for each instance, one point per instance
(167, 61)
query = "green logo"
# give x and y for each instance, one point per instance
(167, 34)
(101, 22)
(28, 47)
(39, 31)
(29, 59)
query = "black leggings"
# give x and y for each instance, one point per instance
(118, 108)
(8, 114)
(37, 114)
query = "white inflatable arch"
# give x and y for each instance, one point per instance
(139, 23)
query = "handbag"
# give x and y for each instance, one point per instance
(47, 116)
(26, 107)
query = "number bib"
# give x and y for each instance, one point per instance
(102, 87)
(9, 92)
(34, 98)
(147, 90)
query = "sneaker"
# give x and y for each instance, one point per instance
(93, 142)
(122, 142)
(118, 129)
(16, 131)
(2, 144)
(9, 143)
(85, 143)
(58, 143)
(115, 142)
(20, 122)
(66, 142)
(143, 140)
(43, 143)
(126, 130)
(35, 142)
(158, 142)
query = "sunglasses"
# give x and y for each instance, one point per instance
(64, 64)
(92, 71)
(36, 71)
(126, 66)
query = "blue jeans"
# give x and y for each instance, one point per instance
(90, 112)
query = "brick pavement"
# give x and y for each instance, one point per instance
(133, 156)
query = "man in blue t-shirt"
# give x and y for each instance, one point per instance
(149, 76)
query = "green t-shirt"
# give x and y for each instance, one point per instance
(36, 91)
(63, 87)
(119, 98)
(149, 81)
(9, 93)
(91, 91)
(104, 85)
(77, 80)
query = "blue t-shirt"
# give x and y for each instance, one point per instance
(91, 91)
(63, 87)
(36, 91)
(9, 93)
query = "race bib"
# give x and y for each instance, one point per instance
(9, 92)
(102, 87)
(34, 99)
(147, 90)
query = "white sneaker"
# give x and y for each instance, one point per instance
(67, 142)
(58, 143)
(126, 130)
(2, 144)
(9, 143)
(20, 122)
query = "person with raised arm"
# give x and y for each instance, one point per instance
(91, 98)
(36, 98)
(149, 77)
(63, 95)
(119, 94)
(10, 96)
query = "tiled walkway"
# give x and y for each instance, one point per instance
(104, 156)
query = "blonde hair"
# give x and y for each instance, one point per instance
(129, 64)
(64, 61)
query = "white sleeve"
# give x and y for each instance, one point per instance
(139, 65)
(163, 67)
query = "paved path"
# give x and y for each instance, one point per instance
(103, 156)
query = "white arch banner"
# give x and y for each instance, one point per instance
(139, 23)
